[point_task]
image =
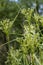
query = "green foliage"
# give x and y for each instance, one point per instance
(8, 9)
(30, 48)
(21, 33)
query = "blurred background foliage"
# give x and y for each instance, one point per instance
(9, 8)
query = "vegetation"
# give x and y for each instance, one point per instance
(21, 36)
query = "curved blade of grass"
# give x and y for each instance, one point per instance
(7, 43)
(36, 59)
